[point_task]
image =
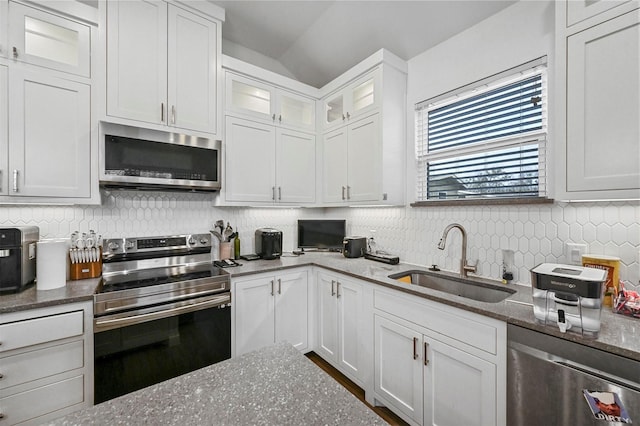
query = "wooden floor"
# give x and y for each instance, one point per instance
(383, 412)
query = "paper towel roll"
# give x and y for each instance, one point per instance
(51, 263)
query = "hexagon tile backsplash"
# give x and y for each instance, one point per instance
(536, 233)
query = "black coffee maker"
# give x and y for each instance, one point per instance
(268, 243)
(17, 257)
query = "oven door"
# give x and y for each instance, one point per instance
(139, 348)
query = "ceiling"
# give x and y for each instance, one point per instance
(318, 40)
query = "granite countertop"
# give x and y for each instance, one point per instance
(618, 333)
(274, 385)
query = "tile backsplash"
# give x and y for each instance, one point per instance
(536, 233)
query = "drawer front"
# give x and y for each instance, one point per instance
(40, 330)
(36, 402)
(41, 363)
(463, 326)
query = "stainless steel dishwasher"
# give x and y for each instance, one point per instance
(547, 376)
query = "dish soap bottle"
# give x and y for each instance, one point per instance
(236, 246)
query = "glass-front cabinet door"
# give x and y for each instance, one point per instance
(49, 40)
(295, 111)
(353, 100)
(249, 97)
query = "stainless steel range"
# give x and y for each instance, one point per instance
(161, 310)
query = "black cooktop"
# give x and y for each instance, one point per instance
(156, 276)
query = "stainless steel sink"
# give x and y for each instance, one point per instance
(482, 292)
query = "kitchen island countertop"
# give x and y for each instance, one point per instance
(274, 385)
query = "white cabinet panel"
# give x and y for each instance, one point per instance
(4, 13)
(603, 106)
(137, 60)
(334, 166)
(453, 379)
(295, 166)
(340, 324)
(351, 162)
(17, 335)
(291, 318)
(44, 39)
(363, 156)
(250, 161)
(295, 110)
(192, 71)
(32, 365)
(39, 401)
(254, 314)
(398, 368)
(4, 131)
(352, 101)
(50, 133)
(579, 10)
(269, 309)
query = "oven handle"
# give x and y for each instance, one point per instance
(108, 322)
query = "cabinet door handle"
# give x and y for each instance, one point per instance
(273, 117)
(279, 193)
(343, 189)
(15, 181)
(273, 193)
(426, 359)
(279, 286)
(15, 52)
(343, 117)
(280, 118)
(173, 114)
(348, 116)
(348, 192)
(162, 112)
(338, 289)
(415, 348)
(1, 376)
(273, 291)
(333, 292)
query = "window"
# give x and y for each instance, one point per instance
(486, 140)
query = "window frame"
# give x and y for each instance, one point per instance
(538, 137)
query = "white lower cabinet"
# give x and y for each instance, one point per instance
(46, 363)
(433, 367)
(271, 308)
(340, 324)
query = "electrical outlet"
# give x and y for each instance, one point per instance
(573, 253)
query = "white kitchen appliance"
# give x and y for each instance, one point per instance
(568, 297)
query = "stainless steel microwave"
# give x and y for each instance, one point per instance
(171, 162)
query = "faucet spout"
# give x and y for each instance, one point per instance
(465, 268)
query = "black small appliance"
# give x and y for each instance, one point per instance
(268, 243)
(18, 257)
(354, 246)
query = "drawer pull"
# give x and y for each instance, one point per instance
(426, 359)
(415, 348)
(333, 292)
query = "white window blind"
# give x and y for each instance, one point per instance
(487, 141)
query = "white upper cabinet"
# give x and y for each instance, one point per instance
(50, 133)
(162, 66)
(579, 10)
(260, 100)
(44, 39)
(599, 61)
(363, 156)
(4, 13)
(267, 165)
(4, 132)
(353, 101)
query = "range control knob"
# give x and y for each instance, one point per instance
(113, 246)
(204, 241)
(191, 241)
(129, 245)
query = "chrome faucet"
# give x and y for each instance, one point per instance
(464, 267)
